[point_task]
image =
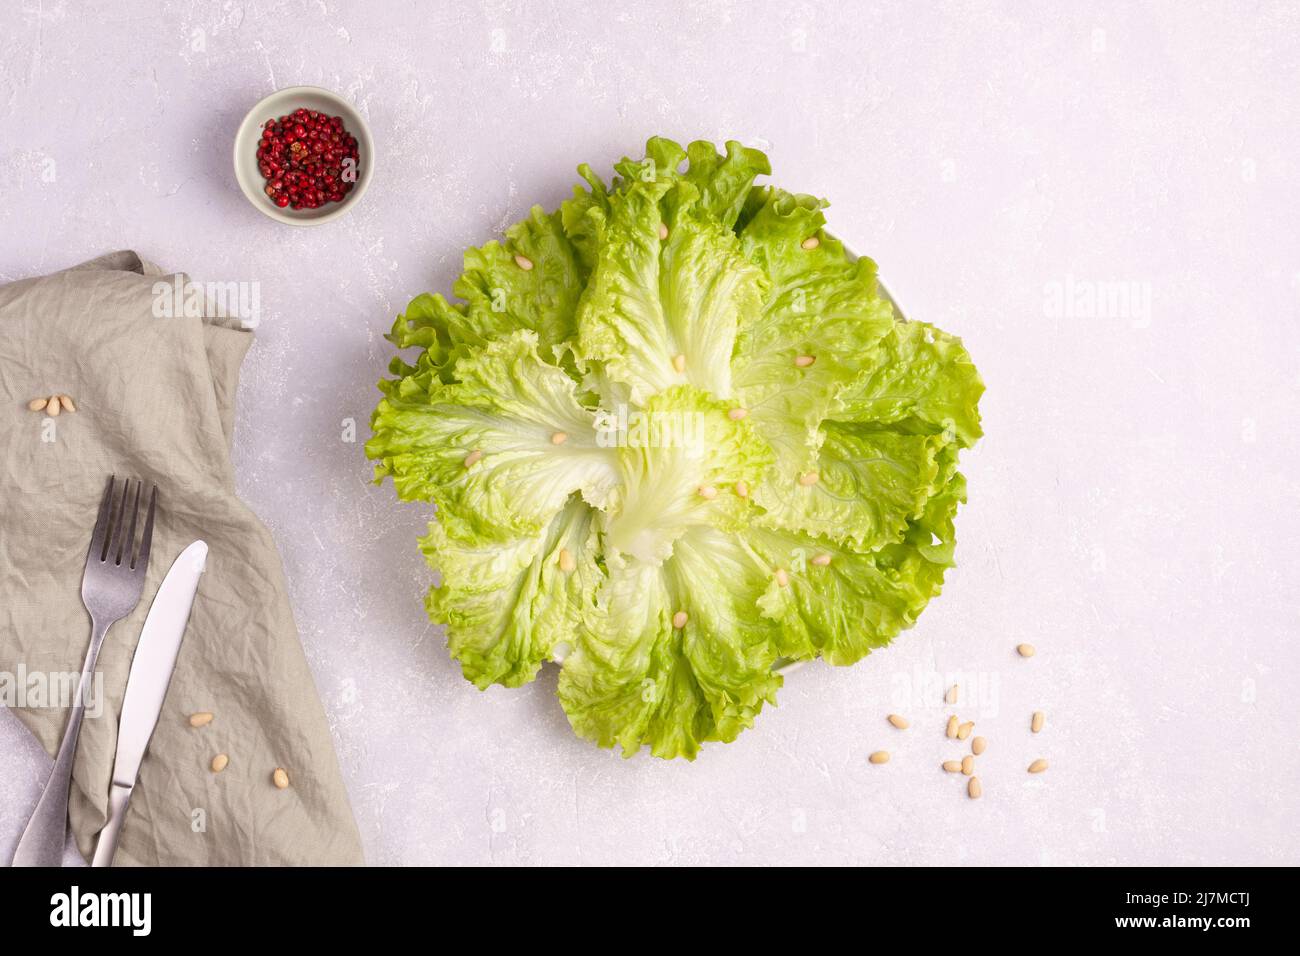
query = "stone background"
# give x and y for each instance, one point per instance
(1134, 506)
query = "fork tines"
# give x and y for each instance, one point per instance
(114, 540)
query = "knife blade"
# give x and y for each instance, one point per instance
(146, 686)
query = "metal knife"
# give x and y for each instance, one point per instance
(151, 672)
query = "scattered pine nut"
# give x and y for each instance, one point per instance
(952, 727)
(472, 458)
(1036, 722)
(812, 242)
(36, 404)
(880, 756)
(679, 362)
(219, 763)
(809, 478)
(201, 719)
(52, 407)
(964, 730)
(821, 560)
(977, 745)
(952, 766)
(803, 361)
(663, 232)
(523, 262)
(736, 414)
(68, 404)
(781, 577)
(900, 722)
(680, 619)
(742, 489)
(280, 779)
(1038, 766)
(708, 492)
(968, 765)
(973, 788)
(1025, 650)
(559, 438)
(951, 696)
(567, 563)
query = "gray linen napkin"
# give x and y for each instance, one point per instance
(154, 398)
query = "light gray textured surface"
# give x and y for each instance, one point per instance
(1133, 506)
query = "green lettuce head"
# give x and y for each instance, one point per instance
(675, 436)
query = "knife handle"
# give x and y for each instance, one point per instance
(118, 798)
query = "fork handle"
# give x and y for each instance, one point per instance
(46, 835)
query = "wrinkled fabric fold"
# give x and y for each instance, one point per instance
(155, 400)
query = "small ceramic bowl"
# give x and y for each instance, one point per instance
(278, 104)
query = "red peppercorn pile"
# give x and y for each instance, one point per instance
(307, 159)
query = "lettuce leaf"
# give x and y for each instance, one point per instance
(509, 605)
(484, 448)
(637, 677)
(674, 435)
(681, 465)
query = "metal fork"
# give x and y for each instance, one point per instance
(110, 590)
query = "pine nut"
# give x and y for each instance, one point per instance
(1038, 766)
(964, 730)
(280, 779)
(952, 766)
(219, 763)
(736, 414)
(663, 232)
(201, 719)
(1036, 722)
(680, 619)
(559, 438)
(900, 722)
(523, 262)
(952, 727)
(742, 489)
(968, 765)
(952, 694)
(803, 361)
(973, 788)
(679, 362)
(808, 479)
(472, 458)
(781, 577)
(36, 404)
(1025, 650)
(708, 492)
(977, 745)
(52, 406)
(821, 560)
(880, 756)
(68, 404)
(567, 563)
(812, 242)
